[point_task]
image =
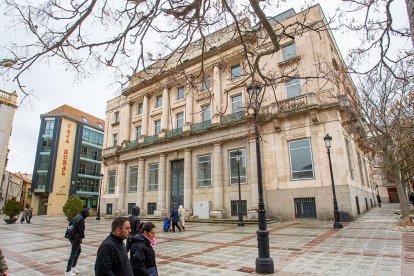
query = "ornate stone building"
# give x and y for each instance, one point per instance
(171, 138)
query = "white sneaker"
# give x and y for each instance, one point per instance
(75, 270)
(70, 273)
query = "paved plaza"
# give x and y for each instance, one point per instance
(368, 246)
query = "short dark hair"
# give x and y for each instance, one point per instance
(147, 226)
(118, 222)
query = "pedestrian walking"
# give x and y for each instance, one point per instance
(412, 198)
(379, 200)
(181, 212)
(30, 215)
(134, 222)
(175, 218)
(25, 213)
(3, 265)
(112, 256)
(76, 237)
(142, 254)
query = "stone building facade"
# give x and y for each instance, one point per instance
(169, 141)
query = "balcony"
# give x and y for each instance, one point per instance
(131, 144)
(298, 103)
(109, 151)
(174, 133)
(200, 126)
(151, 139)
(232, 118)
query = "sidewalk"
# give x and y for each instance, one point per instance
(368, 246)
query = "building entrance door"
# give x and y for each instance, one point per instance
(393, 194)
(43, 201)
(177, 183)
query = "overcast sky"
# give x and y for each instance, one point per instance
(52, 86)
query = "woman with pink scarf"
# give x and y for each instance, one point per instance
(142, 256)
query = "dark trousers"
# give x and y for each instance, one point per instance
(174, 224)
(74, 254)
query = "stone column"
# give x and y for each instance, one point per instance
(188, 108)
(252, 180)
(145, 115)
(187, 181)
(161, 209)
(141, 185)
(165, 109)
(121, 182)
(218, 201)
(125, 124)
(216, 103)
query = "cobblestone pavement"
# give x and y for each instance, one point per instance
(368, 246)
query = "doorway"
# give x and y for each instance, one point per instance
(393, 194)
(43, 201)
(177, 183)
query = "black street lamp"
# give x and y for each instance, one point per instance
(328, 143)
(264, 264)
(98, 209)
(238, 159)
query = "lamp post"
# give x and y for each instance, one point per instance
(98, 209)
(264, 264)
(328, 143)
(238, 159)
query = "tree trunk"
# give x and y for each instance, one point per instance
(410, 11)
(405, 217)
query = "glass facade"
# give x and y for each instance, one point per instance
(41, 180)
(92, 137)
(49, 126)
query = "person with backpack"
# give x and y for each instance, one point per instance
(134, 221)
(75, 233)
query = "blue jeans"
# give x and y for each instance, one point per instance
(74, 254)
(152, 271)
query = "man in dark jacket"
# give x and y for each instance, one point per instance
(76, 241)
(412, 198)
(175, 217)
(134, 221)
(112, 257)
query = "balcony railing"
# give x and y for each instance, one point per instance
(231, 118)
(200, 126)
(151, 139)
(174, 133)
(131, 144)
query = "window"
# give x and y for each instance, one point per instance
(108, 209)
(158, 101)
(114, 139)
(157, 127)
(130, 205)
(46, 145)
(41, 181)
(233, 167)
(205, 113)
(236, 104)
(205, 83)
(140, 108)
(180, 93)
(133, 179)
(137, 132)
(100, 126)
(235, 207)
(366, 173)
(204, 170)
(116, 117)
(88, 185)
(153, 177)
(84, 119)
(350, 159)
(289, 51)
(180, 120)
(305, 207)
(90, 153)
(293, 88)
(111, 182)
(301, 163)
(151, 207)
(89, 168)
(50, 124)
(235, 72)
(92, 137)
(44, 162)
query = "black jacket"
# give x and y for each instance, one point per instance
(112, 258)
(142, 255)
(175, 216)
(79, 221)
(134, 220)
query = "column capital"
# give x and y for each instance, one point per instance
(187, 150)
